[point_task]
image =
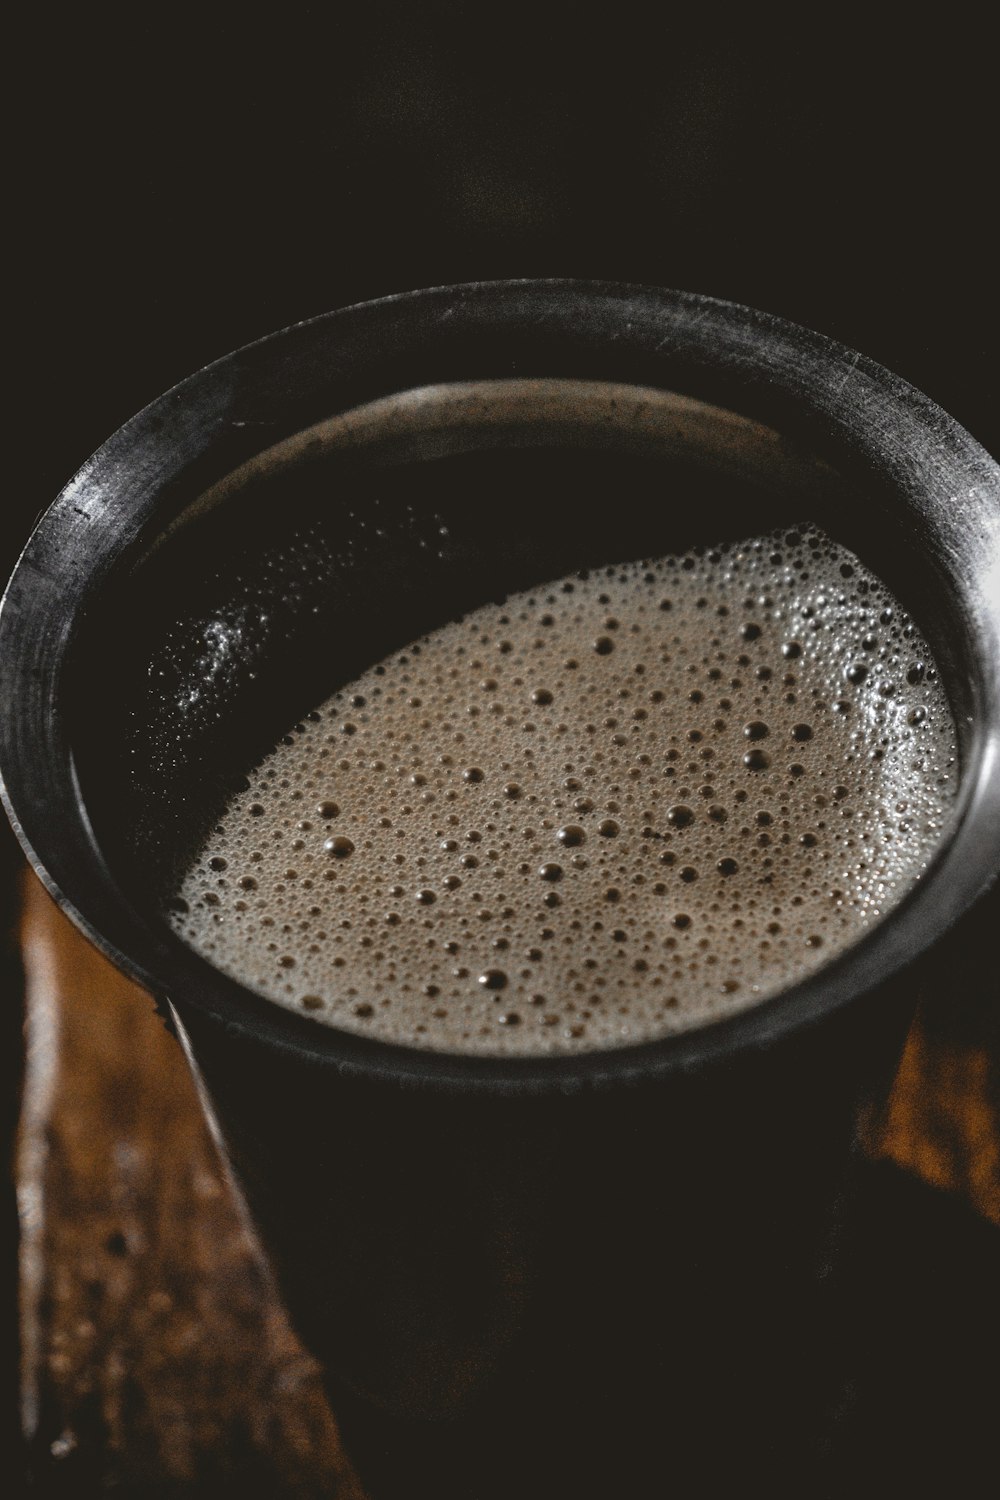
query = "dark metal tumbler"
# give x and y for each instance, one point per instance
(609, 1272)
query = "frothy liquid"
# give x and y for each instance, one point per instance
(614, 807)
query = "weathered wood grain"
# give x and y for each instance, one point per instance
(157, 1356)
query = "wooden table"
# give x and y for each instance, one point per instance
(157, 1358)
(156, 1353)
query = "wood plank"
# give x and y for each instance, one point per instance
(156, 1352)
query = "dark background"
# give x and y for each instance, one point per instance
(188, 179)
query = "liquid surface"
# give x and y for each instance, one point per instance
(608, 809)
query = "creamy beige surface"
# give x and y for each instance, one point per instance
(610, 808)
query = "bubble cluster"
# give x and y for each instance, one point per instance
(620, 805)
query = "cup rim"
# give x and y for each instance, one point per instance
(852, 410)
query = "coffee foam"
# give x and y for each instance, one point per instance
(611, 808)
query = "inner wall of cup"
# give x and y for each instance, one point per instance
(438, 421)
(330, 550)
